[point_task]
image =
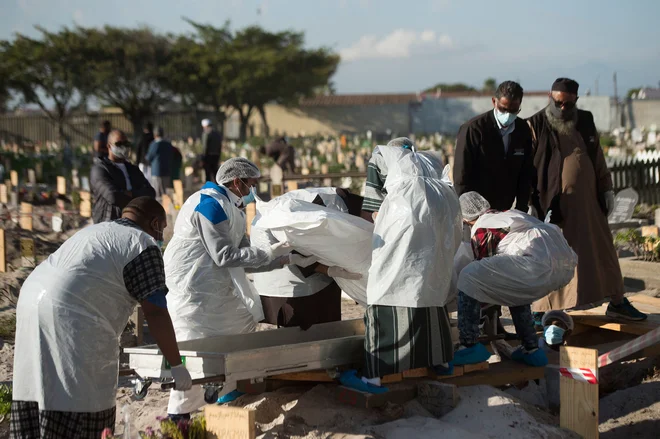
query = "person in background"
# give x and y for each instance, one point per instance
(115, 182)
(146, 139)
(177, 163)
(212, 144)
(159, 158)
(494, 153)
(205, 266)
(101, 140)
(283, 154)
(71, 312)
(572, 181)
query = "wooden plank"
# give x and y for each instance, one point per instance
(499, 374)
(4, 194)
(138, 320)
(579, 400)
(86, 209)
(391, 379)
(320, 376)
(3, 252)
(396, 394)
(85, 196)
(230, 422)
(291, 186)
(596, 317)
(178, 193)
(469, 368)
(14, 178)
(26, 216)
(458, 372)
(416, 373)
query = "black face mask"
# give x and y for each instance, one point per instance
(567, 113)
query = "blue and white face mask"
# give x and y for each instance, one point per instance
(250, 197)
(505, 119)
(554, 335)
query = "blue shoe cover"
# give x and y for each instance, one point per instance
(350, 379)
(535, 359)
(472, 355)
(229, 397)
(445, 371)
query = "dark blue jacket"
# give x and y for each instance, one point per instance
(159, 158)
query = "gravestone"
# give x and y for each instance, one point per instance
(75, 180)
(57, 223)
(85, 184)
(624, 206)
(32, 177)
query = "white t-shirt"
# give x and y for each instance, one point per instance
(122, 166)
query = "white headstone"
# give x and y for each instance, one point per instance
(57, 223)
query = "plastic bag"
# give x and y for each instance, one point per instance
(533, 260)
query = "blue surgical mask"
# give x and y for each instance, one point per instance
(161, 244)
(249, 198)
(505, 119)
(554, 335)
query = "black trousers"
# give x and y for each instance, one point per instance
(211, 163)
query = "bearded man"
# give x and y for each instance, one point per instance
(572, 180)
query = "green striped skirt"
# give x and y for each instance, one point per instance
(398, 339)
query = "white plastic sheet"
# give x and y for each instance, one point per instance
(417, 233)
(533, 260)
(335, 237)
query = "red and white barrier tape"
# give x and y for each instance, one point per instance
(582, 374)
(646, 340)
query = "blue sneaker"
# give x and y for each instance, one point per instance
(229, 397)
(535, 358)
(472, 355)
(350, 379)
(445, 371)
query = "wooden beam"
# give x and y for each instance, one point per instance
(61, 185)
(3, 252)
(396, 394)
(469, 368)
(320, 376)
(138, 320)
(579, 400)
(498, 374)
(26, 216)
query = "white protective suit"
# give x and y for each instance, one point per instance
(417, 232)
(532, 260)
(289, 280)
(71, 312)
(209, 293)
(335, 237)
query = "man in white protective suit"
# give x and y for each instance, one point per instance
(71, 312)
(517, 259)
(205, 266)
(416, 234)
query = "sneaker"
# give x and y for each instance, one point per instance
(350, 379)
(625, 311)
(535, 357)
(229, 397)
(474, 354)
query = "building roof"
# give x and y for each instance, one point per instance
(649, 93)
(391, 98)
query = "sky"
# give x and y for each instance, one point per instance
(392, 46)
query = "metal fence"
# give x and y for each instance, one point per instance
(81, 128)
(641, 175)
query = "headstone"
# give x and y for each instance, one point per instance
(230, 422)
(57, 223)
(61, 185)
(32, 177)
(4, 195)
(85, 184)
(324, 168)
(14, 178)
(624, 206)
(26, 216)
(75, 180)
(276, 186)
(28, 254)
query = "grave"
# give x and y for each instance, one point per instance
(624, 207)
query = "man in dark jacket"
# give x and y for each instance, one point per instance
(159, 158)
(212, 144)
(144, 143)
(101, 140)
(494, 153)
(572, 181)
(283, 154)
(115, 182)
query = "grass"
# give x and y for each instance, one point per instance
(5, 402)
(8, 327)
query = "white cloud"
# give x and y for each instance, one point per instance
(401, 43)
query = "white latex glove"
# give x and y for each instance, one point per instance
(301, 261)
(532, 212)
(280, 249)
(340, 272)
(609, 201)
(374, 215)
(182, 379)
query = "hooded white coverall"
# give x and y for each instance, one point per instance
(204, 264)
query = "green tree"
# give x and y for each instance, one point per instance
(49, 72)
(490, 85)
(128, 68)
(633, 92)
(455, 87)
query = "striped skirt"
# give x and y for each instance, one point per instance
(399, 339)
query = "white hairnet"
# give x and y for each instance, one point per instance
(206, 123)
(402, 142)
(237, 167)
(473, 205)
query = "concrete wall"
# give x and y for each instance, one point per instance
(430, 116)
(642, 113)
